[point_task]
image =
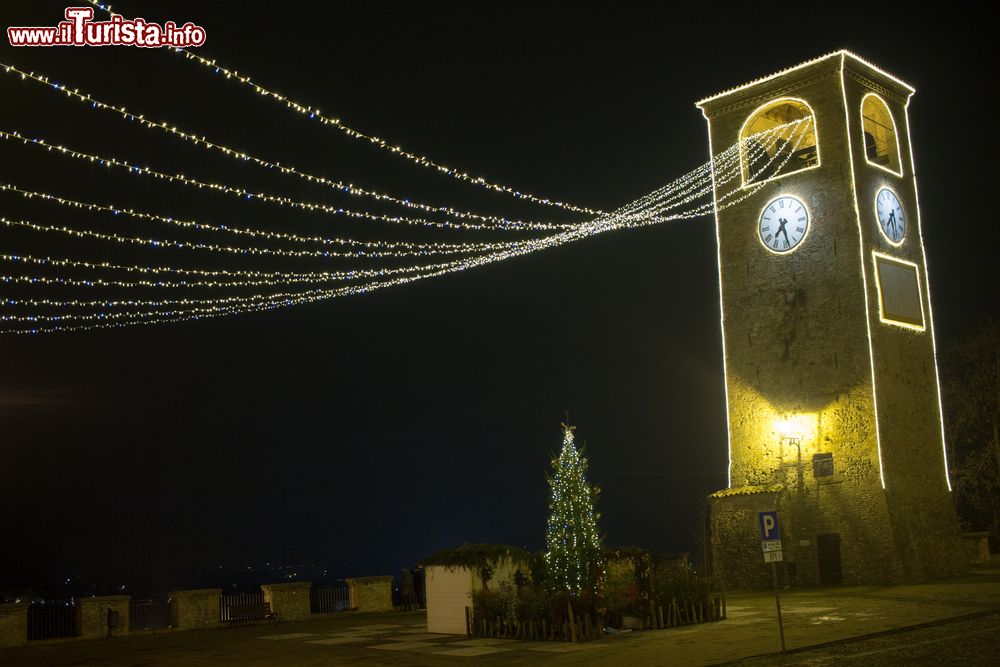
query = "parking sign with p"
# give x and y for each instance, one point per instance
(769, 526)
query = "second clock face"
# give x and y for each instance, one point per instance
(783, 224)
(891, 220)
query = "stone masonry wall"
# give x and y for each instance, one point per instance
(736, 547)
(195, 609)
(371, 593)
(290, 601)
(13, 624)
(93, 615)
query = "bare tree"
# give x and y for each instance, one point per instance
(970, 379)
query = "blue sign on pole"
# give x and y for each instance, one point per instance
(769, 526)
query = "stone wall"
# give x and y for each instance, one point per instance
(736, 546)
(859, 516)
(371, 593)
(977, 548)
(93, 616)
(290, 601)
(195, 609)
(13, 624)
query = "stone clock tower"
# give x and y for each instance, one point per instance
(831, 380)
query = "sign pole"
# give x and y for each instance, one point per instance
(777, 604)
(770, 535)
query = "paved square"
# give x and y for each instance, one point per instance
(470, 651)
(291, 635)
(565, 647)
(405, 646)
(333, 641)
(813, 618)
(805, 610)
(482, 642)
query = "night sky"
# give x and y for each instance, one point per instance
(364, 433)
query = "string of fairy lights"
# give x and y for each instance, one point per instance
(282, 267)
(433, 248)
(691, 186)
(653, 208)
(315, 114)
(203, 142)
(257, 303)
(488, 222)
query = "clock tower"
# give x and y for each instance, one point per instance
(831, 380)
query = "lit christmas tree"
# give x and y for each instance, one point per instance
(573, 552)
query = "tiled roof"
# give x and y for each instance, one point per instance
(748, 490)
(841, 53)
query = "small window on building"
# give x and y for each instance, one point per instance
(777, 140)
(881, 146)
(823, 464)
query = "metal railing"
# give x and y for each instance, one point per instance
(149, 615)
(52, 621)
(324, 599)
(227, 603)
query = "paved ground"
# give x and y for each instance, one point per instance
(969, 642)
(812, 617)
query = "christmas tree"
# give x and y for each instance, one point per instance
(573, 555)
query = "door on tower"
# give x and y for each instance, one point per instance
(828, 548)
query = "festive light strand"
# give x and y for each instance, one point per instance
(315, 114)
(132, 168)
(211, 247)
(194, 309)
(339, 186)
(259, 278)
(631, 215)
(675, 201)
(126, 303)
(488, 222)
(621, 220)
(187, 315)
(682, 185)
(428, 248)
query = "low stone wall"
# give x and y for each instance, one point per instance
(371, 593)
(977, 547)
(94, 613)
(195, 609)
(289, 601)
(13, 624)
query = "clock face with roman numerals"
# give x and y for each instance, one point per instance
(784, 222)
(890, 216)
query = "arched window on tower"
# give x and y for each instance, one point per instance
(778, 139)
(881, 147)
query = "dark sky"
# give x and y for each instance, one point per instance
(367, 432)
